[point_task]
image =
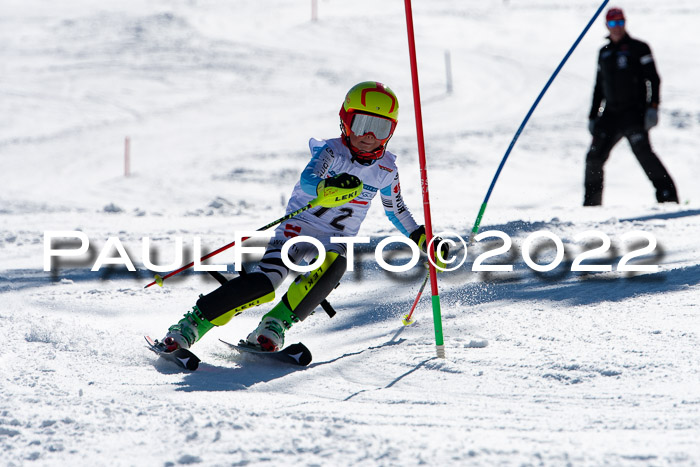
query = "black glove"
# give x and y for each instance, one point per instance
(591, 126)
(343, 180)
(419, 237)
(651, 118)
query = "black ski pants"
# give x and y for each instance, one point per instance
(607, 132)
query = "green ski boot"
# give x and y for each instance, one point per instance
(187, 331)
(269, 335)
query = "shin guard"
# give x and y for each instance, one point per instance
(307, 292)
(235, 296)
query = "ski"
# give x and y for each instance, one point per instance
(181, 357)
(295, 354)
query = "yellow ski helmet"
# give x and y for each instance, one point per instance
(369, 107)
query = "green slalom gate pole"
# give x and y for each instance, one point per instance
(437, 317)
(477, 223)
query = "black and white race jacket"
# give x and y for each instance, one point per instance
(624, 69)
(332, 157)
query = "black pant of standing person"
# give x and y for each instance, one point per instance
(607, 131)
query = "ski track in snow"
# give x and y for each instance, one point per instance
(219, 100)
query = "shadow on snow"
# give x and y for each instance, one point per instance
(253, 370)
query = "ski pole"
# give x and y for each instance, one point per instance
(407, 318)
(159, 280)
(475, 230)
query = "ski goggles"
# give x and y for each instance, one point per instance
(379, 127)
(616, 22)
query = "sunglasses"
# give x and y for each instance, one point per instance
(616, 22)
(363, 124)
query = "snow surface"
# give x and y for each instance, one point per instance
(219, 100)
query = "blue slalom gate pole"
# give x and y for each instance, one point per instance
(527, 117)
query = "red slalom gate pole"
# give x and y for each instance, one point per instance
(437, 317)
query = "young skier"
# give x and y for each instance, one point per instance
(344, 174)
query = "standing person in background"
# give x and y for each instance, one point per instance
(625, 103)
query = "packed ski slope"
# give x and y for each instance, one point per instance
(219, 100)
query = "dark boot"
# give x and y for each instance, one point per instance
(667, 195)
(654, 169)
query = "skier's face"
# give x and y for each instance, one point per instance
(616, 29)
(365, 143)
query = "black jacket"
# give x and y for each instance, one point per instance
(624, 69)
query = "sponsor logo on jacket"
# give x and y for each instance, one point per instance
(400, 206)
